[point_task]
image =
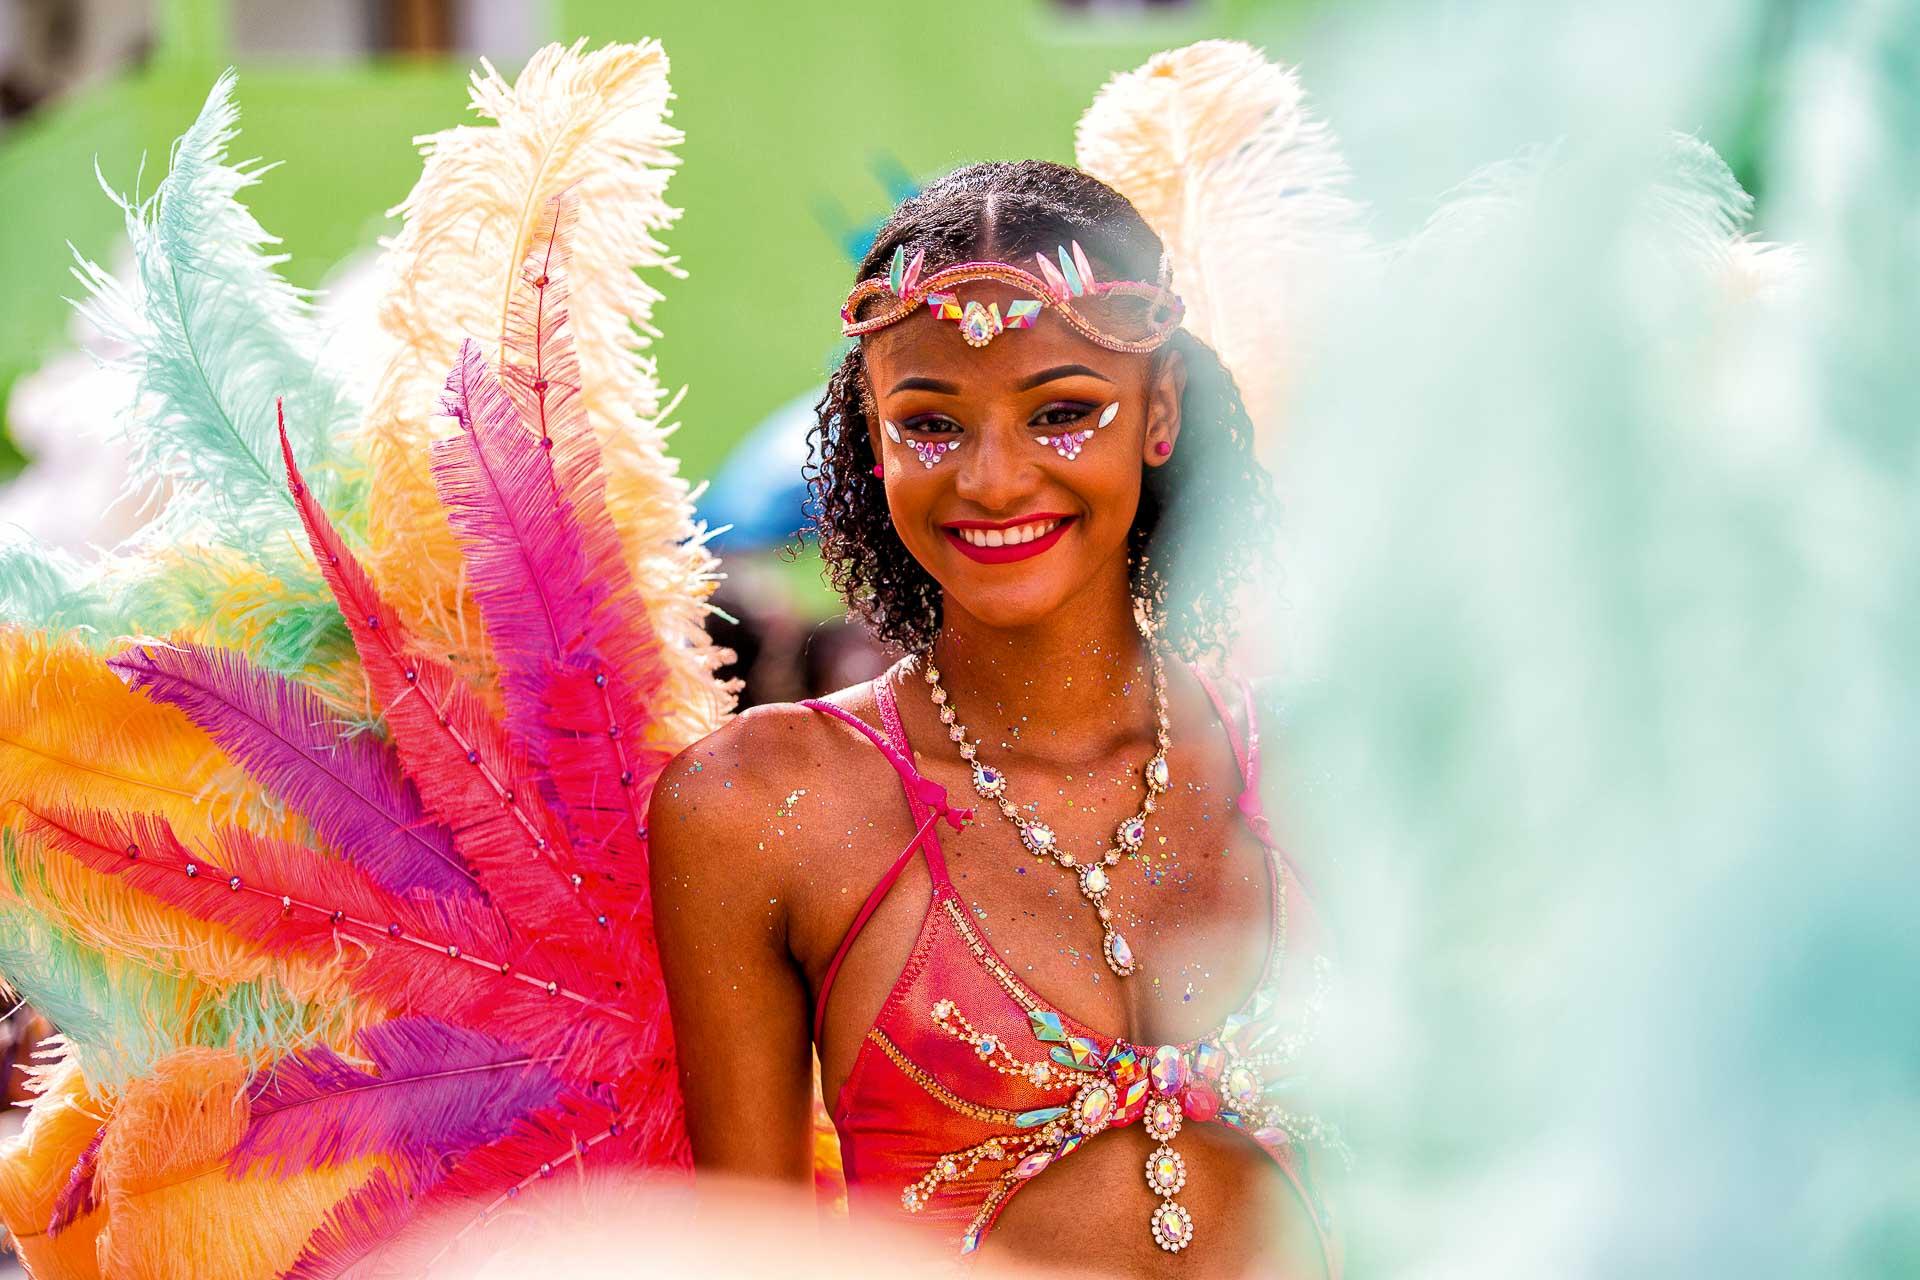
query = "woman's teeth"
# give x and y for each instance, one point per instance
(1008, 537)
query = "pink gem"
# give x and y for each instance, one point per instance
(1209, 1062)
(1271, 1137)
(1200, 1102)
(1169, 1069)
(1033, 1164)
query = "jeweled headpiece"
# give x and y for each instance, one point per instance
(1121, 315)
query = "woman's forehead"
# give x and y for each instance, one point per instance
(928, 345)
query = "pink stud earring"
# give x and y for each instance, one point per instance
(879, 472)
(1162, 447)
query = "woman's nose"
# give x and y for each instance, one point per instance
(995, 472)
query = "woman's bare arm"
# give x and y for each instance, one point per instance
(739, 1001)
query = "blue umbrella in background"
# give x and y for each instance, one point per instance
(758, 497)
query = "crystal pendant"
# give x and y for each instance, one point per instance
(1172, 1226)
(1119, 954)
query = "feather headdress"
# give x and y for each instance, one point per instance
(1215, 147)
(593, 124)
(334, 932)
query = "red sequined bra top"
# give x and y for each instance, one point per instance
(968, 1084)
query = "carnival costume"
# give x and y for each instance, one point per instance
(325, 837)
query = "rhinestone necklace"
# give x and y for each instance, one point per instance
(1095, 881)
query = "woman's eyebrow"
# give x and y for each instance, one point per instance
(1062, 371)
(924, 384)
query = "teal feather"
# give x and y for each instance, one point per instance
(215, 335)
(46, 588)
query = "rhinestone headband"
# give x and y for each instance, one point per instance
(1120, 315)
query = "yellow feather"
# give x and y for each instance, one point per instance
(173, 1212)
(596, 123)
(34, 1166)
(72, 735)
(1214, 146)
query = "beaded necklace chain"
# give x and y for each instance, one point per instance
(1038, 837)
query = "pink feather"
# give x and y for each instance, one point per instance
(81, 1194)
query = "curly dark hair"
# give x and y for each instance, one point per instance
(1007, 212)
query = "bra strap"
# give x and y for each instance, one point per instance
(928, 802)
(1246, 753)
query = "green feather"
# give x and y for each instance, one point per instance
(215, 335)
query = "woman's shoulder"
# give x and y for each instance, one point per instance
(768, 750)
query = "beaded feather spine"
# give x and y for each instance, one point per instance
(323, 838)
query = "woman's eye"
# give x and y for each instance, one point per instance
(932, 426)
(1061, 415)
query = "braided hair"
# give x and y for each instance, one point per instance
(1007, 212)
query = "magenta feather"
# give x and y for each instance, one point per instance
(347, 786)
(434, 1090)
(372, 1217)
(471, 775)
(81, 1194)
(589, 723)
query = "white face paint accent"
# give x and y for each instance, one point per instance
(893, 429)
(1109, 413)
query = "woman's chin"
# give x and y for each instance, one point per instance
(1010, 606)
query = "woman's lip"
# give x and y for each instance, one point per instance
(1006, 554)
(1037, 517)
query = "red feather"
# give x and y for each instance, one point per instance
(415, 953)
(469, 774)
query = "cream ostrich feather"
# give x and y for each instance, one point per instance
(1215, 147)
(596, 124)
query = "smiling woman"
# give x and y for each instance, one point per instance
(1066, 385)
(1010, 466)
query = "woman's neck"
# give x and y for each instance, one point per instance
(1067, 687)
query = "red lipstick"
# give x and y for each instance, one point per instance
(1006, 554)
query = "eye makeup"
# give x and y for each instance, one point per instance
(1068, 444)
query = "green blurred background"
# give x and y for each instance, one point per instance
(804, 124)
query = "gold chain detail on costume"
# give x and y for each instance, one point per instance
(1014, 987)
(937, 1091)
(993, 1051)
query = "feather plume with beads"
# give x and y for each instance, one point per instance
(593, 124)
(1215, 147)
(343, 934)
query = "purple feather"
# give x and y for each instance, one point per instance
(348, 786)
(435, 1090)
(362, 1222)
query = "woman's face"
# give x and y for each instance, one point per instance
(1012, 530)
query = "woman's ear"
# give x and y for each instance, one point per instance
(1167, 383)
